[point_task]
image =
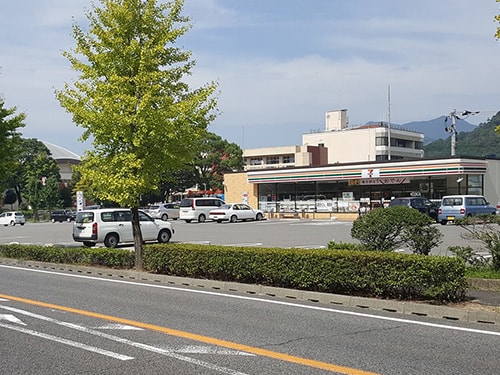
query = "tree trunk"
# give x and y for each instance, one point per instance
(136, 230)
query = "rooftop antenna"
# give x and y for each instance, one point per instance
(389, 121)
(452, 128)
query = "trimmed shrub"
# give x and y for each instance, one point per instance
(113, 258)
(380, 274)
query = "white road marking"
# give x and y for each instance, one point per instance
(246, 244)
(68, 342)
(248, 298)
(121, 340)
(12, 319)
(122, 327)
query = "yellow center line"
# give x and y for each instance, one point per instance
(199, 338)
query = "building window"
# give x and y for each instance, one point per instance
(273, 160)
(256, 161)
(289, 159)
(419, 145)
(381, 141)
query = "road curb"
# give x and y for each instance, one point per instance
(421, 309)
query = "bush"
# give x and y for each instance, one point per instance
(113, 258)
(350, 272)
(484, 228)
(384, 229)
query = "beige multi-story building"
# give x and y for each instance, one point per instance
(375, 142)
(285, 157)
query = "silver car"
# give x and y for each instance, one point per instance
(164, 211)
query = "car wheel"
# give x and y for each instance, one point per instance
(443, 222)
(88, 244)
(187, 221)
(164, 236)
(12, 223)
(201, 218)
(259, 217)
(53, 220)
(21, 224)
(219, 221)
(68, 220)
(164, 217)
(233, 219)
(111, 240)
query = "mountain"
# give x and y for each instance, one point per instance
(483, 141)
(435, 129)
(471, 140)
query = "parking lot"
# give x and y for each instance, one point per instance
(301, 233)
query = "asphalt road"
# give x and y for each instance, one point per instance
(59, 323)
(268, 233)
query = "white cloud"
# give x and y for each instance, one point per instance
(282, 64)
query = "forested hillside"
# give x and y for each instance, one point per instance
(482, 141)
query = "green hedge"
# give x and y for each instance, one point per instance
(351, 272)
(104, 257)
(380, 274)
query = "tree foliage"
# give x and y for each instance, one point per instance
(41, 179)
(9, 142)
(132, 98)
(384, 229)
(27, 151)
(218, 156)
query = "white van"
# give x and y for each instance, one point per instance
(198, 208)
(112, 226)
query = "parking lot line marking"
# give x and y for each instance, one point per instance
(195, 337)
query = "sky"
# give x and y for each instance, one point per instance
(281, 64)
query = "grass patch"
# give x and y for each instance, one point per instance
(482, 273)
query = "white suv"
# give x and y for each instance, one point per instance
(112, 226)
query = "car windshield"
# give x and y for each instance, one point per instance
(226, 207)
(154, 207)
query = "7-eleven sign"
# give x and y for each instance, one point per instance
(370, 173)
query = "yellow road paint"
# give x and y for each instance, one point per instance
(199, 338)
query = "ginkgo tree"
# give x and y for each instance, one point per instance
(133, 100)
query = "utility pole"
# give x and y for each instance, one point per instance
(452, 128)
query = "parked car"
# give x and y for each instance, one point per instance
(113, 226)
(198, 208)
(62, 215)
(459, 206)
(12, 218)
(233, 212)
(164, 211)
(422, 204)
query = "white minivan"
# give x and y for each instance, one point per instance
(198, 208)
(112, 226)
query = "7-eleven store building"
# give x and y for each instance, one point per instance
(313, 191)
